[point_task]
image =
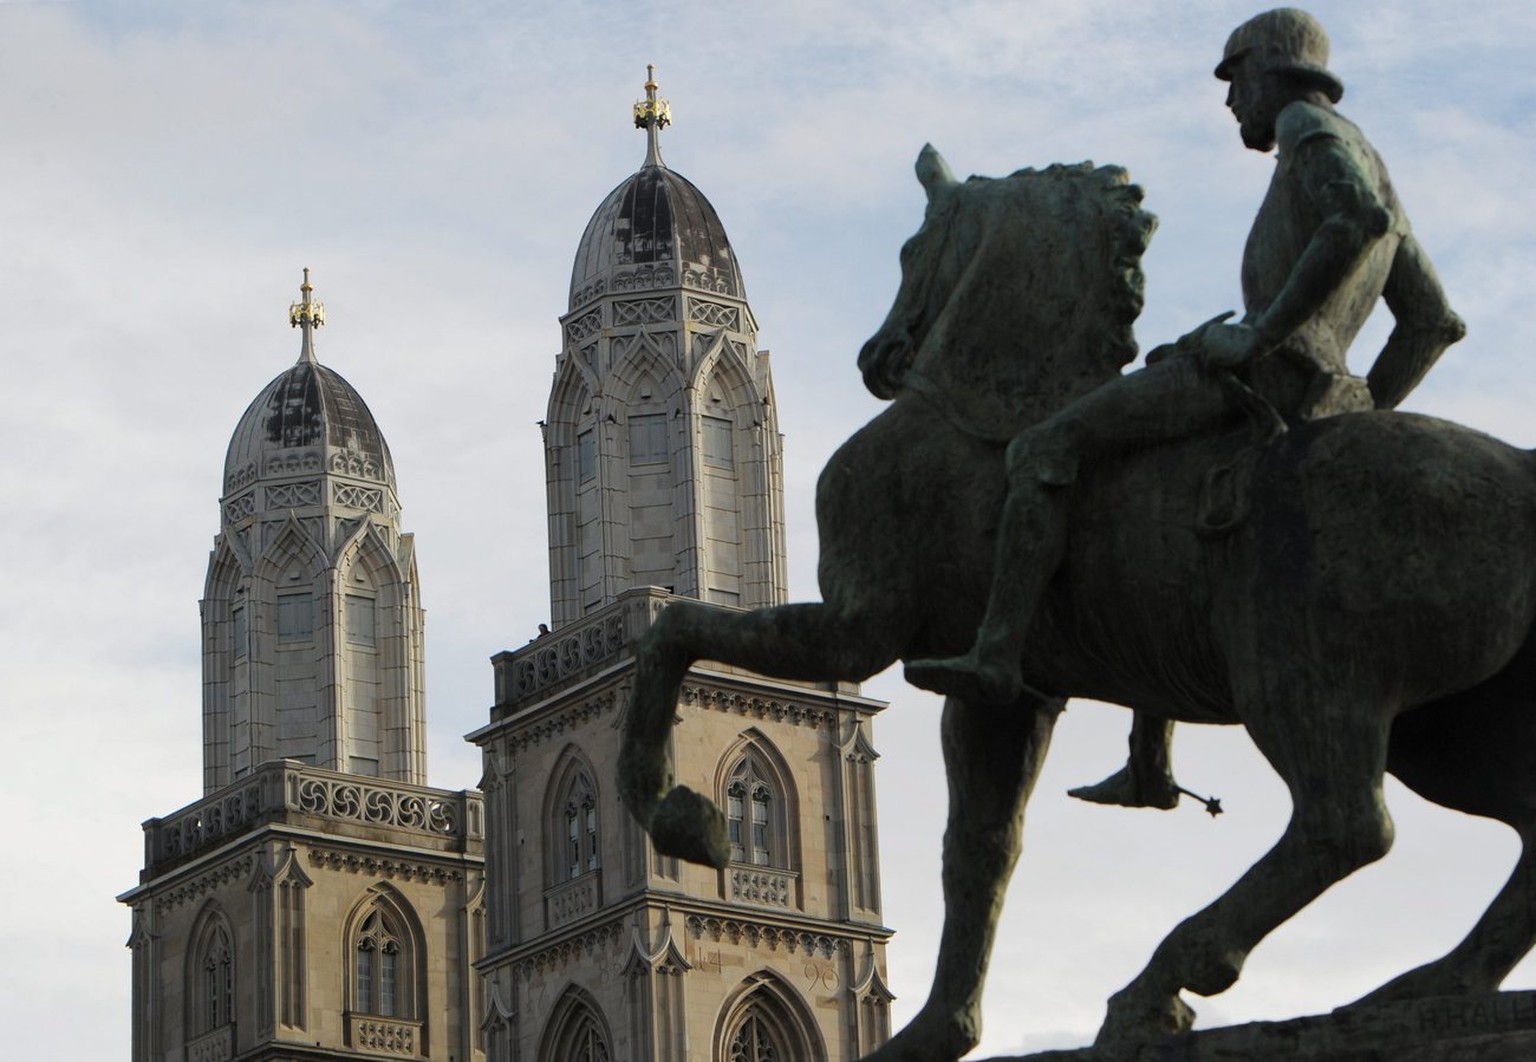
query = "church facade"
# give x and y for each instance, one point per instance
(320, 901)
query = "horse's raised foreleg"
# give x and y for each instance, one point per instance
(992, 756)
(804, 641)
(1333, 761)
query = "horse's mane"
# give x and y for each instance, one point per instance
(1061, 206)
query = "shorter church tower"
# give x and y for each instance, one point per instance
(312, 620)
(663, 459)
(319, 901)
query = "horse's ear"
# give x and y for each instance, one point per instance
(932, 171)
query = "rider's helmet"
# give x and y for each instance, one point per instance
(1286, 41)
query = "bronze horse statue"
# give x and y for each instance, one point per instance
(1362, 602)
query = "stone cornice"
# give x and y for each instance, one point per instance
(385, 866)
(779, 710)
(195, 888)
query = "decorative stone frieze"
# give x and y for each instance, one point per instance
(384, 867)
(239, 508)
(723, 700)
(714, 314)
(352, 463)
(575, 949)
(644, 311)
(196, 888)
(292, 462)
(588, 324)
(763, 935)
(293, 495)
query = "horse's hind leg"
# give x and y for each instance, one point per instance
(1332, 759)
(992, 756)
(1476, 752)
(803, 641)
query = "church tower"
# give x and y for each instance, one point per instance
(664, 478)
(312, 623)
(319, 901)
(661, 445)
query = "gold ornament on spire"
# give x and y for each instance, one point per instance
(652, 112)
(652, 115)
(307, 312)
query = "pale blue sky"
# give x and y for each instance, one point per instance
(169, 168)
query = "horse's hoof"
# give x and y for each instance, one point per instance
(966, 678)
(689, 826)
(1134, 1017)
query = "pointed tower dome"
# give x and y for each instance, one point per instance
(312, 622)
(309, 416)
(662, 446)
(655, 230)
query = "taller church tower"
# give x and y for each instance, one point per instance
(664, 478)
(319, 901)
(662, 444)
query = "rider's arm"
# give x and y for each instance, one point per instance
(1425, 326)
(1332, 174)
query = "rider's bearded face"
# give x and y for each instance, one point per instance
(1255, 100)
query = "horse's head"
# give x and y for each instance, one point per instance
(1018, 290)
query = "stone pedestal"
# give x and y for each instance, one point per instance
(1496, 1027)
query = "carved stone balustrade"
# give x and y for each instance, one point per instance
(286, 791)
(576, 651)
(763, 886)
(572, 900)
(385, 1036)
(215, 1046)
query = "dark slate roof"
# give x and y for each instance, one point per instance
(306, 407)
(656, 217)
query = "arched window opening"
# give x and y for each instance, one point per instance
(576, 1032)
(385, 956)
(218, 976)
(210, 975)
(756, 815)
(378, 968)
(767, 1023)
(578, 828)
(754, 1041)
(751, 806)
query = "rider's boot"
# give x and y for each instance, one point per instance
(1030, 545)
(1146, 780)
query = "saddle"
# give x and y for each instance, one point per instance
(1225, 496)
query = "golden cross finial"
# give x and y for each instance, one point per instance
(652, 115)
(308, 315)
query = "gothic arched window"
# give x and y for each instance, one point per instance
(575, 825)
(757, 814)
(211, 975)
(217, 974)
(384, 955)
(767, 1023)
(754, 1041)
(576, 1032)
(378, 968)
